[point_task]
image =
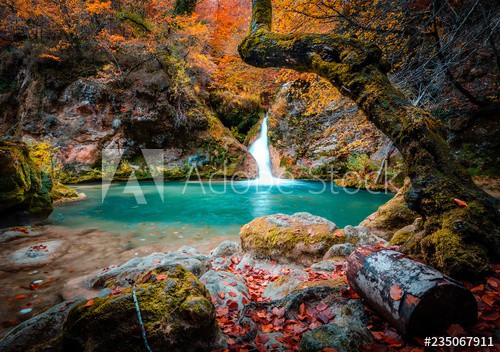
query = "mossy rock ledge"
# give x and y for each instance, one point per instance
(25, 191)
(300, 238)
(176, 309)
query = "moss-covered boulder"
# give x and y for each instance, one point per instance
(61, 192)
(25, 191)
(176, 309)
(301, 238)
(391, 216)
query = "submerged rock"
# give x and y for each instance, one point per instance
(25, 191)
(176, 310)
(11, 234)
(301, 238)
(32, 256)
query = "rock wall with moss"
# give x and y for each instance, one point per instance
(82, 107)
(25, 190)
(315, 131)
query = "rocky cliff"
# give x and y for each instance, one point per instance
(81, 112)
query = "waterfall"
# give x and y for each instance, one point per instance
(260, 152)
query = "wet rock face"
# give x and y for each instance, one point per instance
(82, 116)
(311, 141)
(25, 191)
(176, 309)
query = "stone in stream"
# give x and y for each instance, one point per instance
(90, 285)
(32, 256)
(300, 238)
(11, 234)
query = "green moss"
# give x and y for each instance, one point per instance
(266, 238)
(401, 237)
(60, 191)
(447, 251)
(23, 187)
(176, 311)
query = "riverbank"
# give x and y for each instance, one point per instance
(288, 300)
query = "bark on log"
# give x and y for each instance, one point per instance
(416, 299)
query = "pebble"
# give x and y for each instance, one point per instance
(37, 282)
(26, 311)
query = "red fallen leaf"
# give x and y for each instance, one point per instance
(489, 298)
(396, 293)
(411, 299)
(232, 294)
(20, 296)
(222, 295)
(302, 309)
(157, 261)
(89, 303)
(378, 335)
(261, 339)
(267, 328)
(161, 277)
(261, 314)
(393, 339)
(338, 234)
(231, 341)
(279, 312)
(455, 330)
(460, 202)
(146, 277)
(477, 289)
(495, 283)
(232, 284)
(321, 306)
(232, 305)
(490, 315)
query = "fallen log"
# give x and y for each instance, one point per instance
(415, 298)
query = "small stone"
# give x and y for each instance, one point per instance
(26, 310)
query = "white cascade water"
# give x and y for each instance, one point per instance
(260, 151)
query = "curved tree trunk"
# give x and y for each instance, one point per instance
(457, 239)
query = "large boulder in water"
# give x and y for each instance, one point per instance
(25, 191)
(301, 238)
